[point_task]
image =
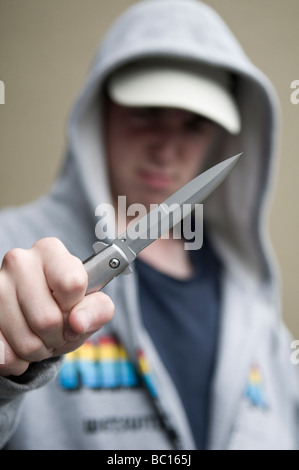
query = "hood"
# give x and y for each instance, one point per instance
(236, 213)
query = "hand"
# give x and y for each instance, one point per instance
(43, 308)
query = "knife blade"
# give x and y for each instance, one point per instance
(110, 260)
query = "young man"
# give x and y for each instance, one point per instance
(195, 355)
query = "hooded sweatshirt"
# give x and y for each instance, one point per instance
(115, 392)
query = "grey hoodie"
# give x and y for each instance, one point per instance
(114, 392)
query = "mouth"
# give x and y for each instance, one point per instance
(156, 179)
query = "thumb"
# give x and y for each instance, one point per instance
(89, 315)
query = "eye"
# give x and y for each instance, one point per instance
(198, 125)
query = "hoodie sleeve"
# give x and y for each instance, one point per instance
(12, 393)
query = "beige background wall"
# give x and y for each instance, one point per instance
(45, 50)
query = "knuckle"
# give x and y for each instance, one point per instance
(48, 244)
(13, 258)
(75, 281)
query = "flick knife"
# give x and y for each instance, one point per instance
(110, 260)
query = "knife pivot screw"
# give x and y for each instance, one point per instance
(114, 263)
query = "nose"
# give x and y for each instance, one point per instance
(166, 144)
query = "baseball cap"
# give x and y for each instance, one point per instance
(202, 89)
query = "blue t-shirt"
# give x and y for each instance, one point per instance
(182, 318)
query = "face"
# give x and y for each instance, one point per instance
(152, 152)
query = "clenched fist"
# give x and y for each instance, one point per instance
(43, 308)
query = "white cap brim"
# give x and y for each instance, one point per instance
(202, 90)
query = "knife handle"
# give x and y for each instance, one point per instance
(104, 266)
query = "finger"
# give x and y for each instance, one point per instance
(65, 274)
(21, 339)
(39, 309)
(10, 363)
(29, 307)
